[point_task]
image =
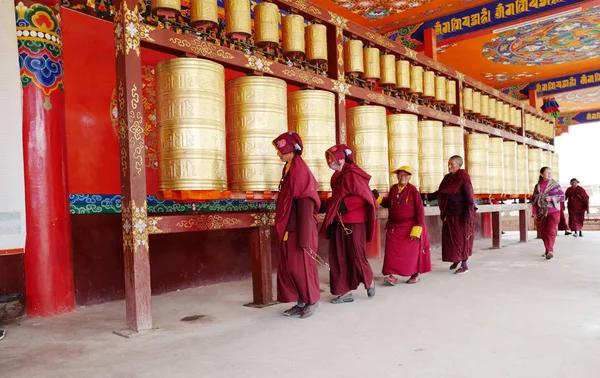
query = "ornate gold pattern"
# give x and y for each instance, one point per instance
(139, 224)
(382, 99)
(153, 225)
(460, 76)
(118, 32)
(263, 219)
(338, 21)
(145, 30)
(411, 53)
(136, 131)
(439, 114)
(259, 63)
(303, 76)
(342, 88)
(305, 6)
(127, 224)
(462, 121)
(437, 65)
(340, 50)
(208, 222)
(378, 38)
(343, 138)
(127, 30)
(122, 129)
(204, 48)
(412, 107)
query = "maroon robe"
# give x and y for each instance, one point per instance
(457, 210)
(579, 203)
(562, 224)
(348, 253)
(404, 256)
(547, 213)
(296, 214)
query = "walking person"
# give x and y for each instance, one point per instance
(562, 223)
(546, 200)
(578, 205)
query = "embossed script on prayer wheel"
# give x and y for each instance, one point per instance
(468, 99)
(492, 109)
(555, 171)
(476, 102)
(403, 149)
(353, 56)
(454, 142)
(440, 88)
(496, 165)
(191, 122)
(292, 32)
(367, 137)
(523, 169)
(204, 14)
(168, 8)
(311, 114)
(510, 168)
(403, 74)
(416, 79)
(485, 105)
(535, 164)
(266, 25)
(388, 71)
(429, 84)
(316, 43)
(256, 114)
(431, 161)
(371, 64)
(477, 162)
(237, 20)
(450, 92)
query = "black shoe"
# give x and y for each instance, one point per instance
(294, 311)
(454, 266)
(580, 234)
(371, 290)
(309, 310)
(568, 232)
(343, 299)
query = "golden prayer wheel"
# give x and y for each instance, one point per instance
(431, 162)
(536, 125)
(492, 109)
(519, 118)
(368, 138)
(506, 113)
(403, 132)
(191, 122)
(440, 88)
(510, 168)
(204, 14)
(546, 159)
(478, 162)
(499, 111)
(311, 114)
(237, 22)
(454, 142)
(371, 58)
(403, 74)
(429, 84)
(523, 169)
(316, 43)
(496, 165)
(535, 164)
(555, 171)
(256, 114)
(476, 102)
(485, 105)
(451, 92)
(468, 99)
(416, 79)
(266, 25)
(353, 56)
(513, 116)
(169, 8)
(292, 32)
(388, 71)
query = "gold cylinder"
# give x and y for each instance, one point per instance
(485, 105)
(519, 118)
(440, 88)
(545, 159)
(416, 79)
(429, 84)
(492, 109)
(353, 56)
(371, 63)
(454, 142)
(237, 21)
(403, 74)
(476, 102)
(266, 25)
(292, 33)
(451, 92)
(204, 14)
(496, 165)
(431, 161)
(403, 133)
(523, 169)
(191, 122)
(388, 70)
(256, 113)
(555, 170)
(506, 113)
(513, 115)
(510, 168)
(499, 111)
(172, 7)
(316, 43)
(468, 99)
(311, 114)
(477, 162)
(367, 137)
(535, 164)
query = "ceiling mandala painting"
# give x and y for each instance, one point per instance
(376, 9)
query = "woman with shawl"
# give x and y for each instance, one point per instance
(546, 200)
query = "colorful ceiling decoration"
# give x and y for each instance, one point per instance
(506, 76)
(376, 9)
(583, 96)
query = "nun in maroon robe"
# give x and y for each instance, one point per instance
(296, 225)
(406, 242)
(579, 203)
(457, 210)
(349, 224)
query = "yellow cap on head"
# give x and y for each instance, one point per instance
(404, 168)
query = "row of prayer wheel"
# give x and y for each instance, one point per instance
(539, 126)
(481, 104)
(538, 158)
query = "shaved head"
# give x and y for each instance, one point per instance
(457, 159)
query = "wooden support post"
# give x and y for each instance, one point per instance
(262, 273)
(486, 225)
(430, 43)
(335, 40)
(523, 225)
(497, 229)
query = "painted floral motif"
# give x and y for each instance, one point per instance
(259, 63)
(375, 9)
(404, 36)
(500, 77)
(208, 222)
(263, 219)
(342, 88)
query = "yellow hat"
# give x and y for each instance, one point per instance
(404, 168)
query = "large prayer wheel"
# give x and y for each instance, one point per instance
(353, 56)
(292, 33)
(485, 105)
(476, 102)
(311, 114)
(535, 164)
(429, 84)
(555, 171)
(478, 162)
(492, 109)
(316, 43)
(256, 114)
(547, 159)
(431, 162)
(388, 71)
(266, 25)
(454, 142)
(204, 14)
(523, 170)
(191, 122)
(416, 79)
(510, 168)
(403, 132)
(450, 92)
(237, 22)
(367, 136)
(468, 99)
(403, 74)
(440, 88)
(496, 165)
(167, 7)
(371, 64)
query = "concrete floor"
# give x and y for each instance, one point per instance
(513, 315)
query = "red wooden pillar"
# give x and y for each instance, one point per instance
(48, 261)
(430, 43)
(486, 225)
(133, 171)
(533, 98)
(262, 274)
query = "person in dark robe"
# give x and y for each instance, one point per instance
(578, 205)
(546, 200)
(457, 210)
(407, 249)
(296, 225)
(562, 223)
(349, 224)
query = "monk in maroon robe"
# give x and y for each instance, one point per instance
(296, 225)
(546, 200)
(406, 241)
(457, 210)
(579, 204)
(562, 223)
(349, 224)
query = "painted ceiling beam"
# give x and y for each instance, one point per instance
(576, 118)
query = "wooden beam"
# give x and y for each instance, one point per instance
(262, 274)
(497, 230)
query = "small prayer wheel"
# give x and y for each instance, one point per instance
(451, 92)
(440, 88)
(353, 56)
(555, 171)
(477, 162)
(431, 160)
(403, 74)
(485, 105)
(492, 108)
(292, 31)
(535, 164)
(416, 79)
(429, 84)
(388, 70)
(513, 116)
(476, 102)
(499, 111)
(403, 131)
(204, 14)
(371, 64)
(523, 170)
(519, 118)
(468, 99)
(167, 8)
(316, 43)
(496, 165)
(266, 25)
(506, 113)
(237, 22)
(510, 167)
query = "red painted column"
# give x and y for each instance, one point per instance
(430, 43)
(48, 260)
